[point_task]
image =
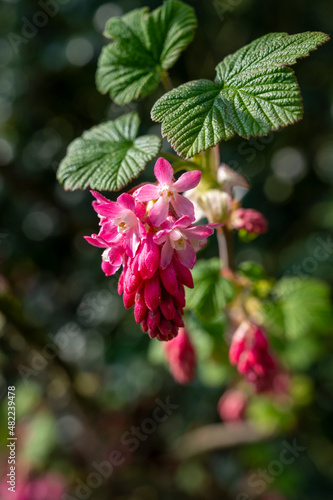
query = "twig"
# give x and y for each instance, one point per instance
(217, 436)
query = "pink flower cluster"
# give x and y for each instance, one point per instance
(48, 487)
(249, 219)
(181, 356)
(151, 234)
(249, 352)
(232, 405)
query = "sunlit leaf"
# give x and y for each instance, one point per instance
(109, 156)
(254, 93)
(144, 46)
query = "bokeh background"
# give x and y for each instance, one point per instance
(84, 373)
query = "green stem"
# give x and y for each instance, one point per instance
(223, 247)
(166, 81)
(179, 163)
(224, 240)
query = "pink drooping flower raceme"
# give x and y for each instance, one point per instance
(232, 405)
(249, 219)
(249, 351)
(151, 234)
(181, 356)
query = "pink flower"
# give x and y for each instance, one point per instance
(249, 219)
(249, 351)
(48, 487)
(181, 357)
(232, 405)
(112, 257)
(183, 238)
(167, 192)
(120, 218)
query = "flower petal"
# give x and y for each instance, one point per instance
(183, 206)
(95, 240)
(108, 268)
(187, 256)
(166, 254)
(99, 197)
(161, 236)
(148, 192)
(187, 181)
(197, 232)
(115, 255)
(126, 201)
(163, 171)
(108, 232)
(183, 222)
(110, 209)
(132, 242)
(158, 212)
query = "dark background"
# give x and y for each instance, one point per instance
(73, 409)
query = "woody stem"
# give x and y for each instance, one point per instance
(223, 247)
(224, 239)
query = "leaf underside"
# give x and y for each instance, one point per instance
(254, 93)
(109, 156)
(144, 46)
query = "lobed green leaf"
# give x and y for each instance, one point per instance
(211, 291)
(109, 156)
(302, 307)
(145, 46)
(254, 93)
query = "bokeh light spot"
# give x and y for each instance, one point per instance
(79, 51)
(289, 163)
(104, 13)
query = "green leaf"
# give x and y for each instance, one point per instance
(40, 438)
(211, 291)
(252, 270)
(253, 93)
(109, 156)
(145, 46)
(304, 305)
